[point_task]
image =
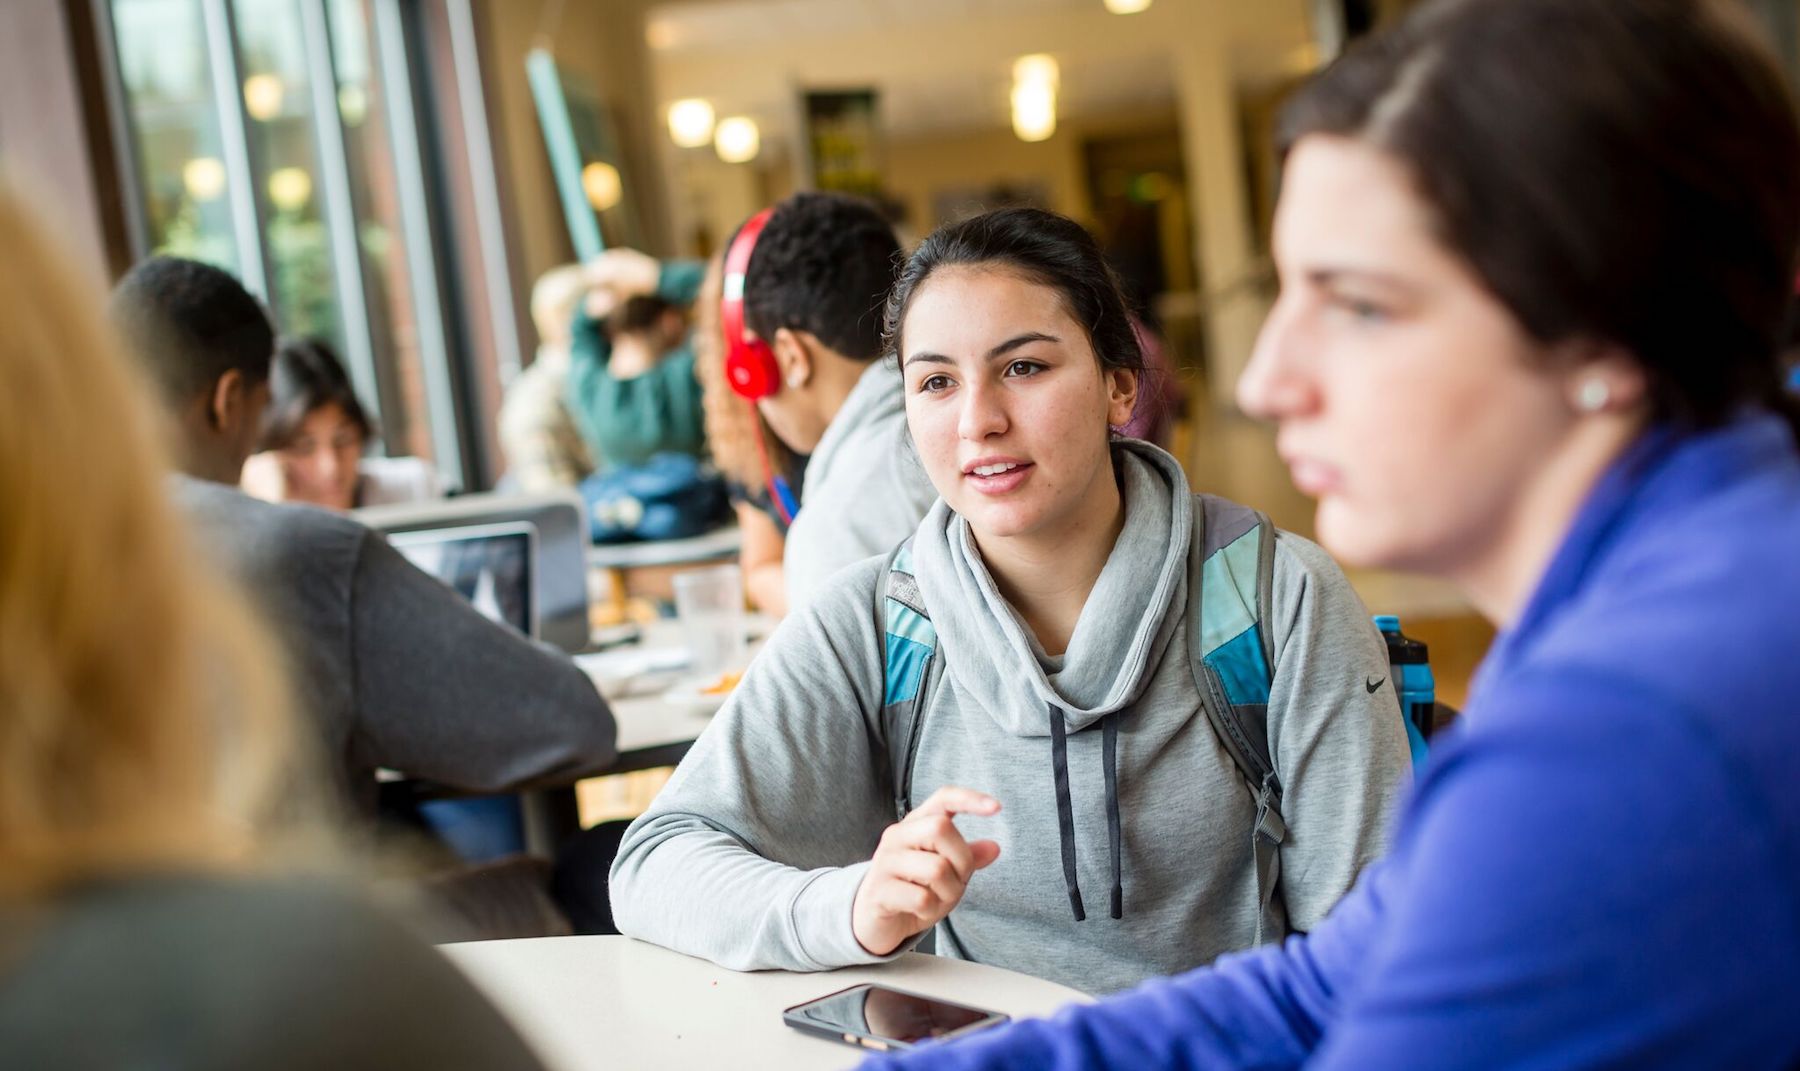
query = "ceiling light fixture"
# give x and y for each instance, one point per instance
(600, 181)
(691, 122)
(737, 141)
(1035, 81)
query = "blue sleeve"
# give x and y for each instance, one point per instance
(589, 352)
(1580, 880)
(1262, 1009)
(627, 421)
(1588, 881)
(678, 282)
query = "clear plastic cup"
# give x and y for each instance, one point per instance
(709, 603)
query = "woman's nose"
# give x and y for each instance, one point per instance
(983, 412)
(1274, 384)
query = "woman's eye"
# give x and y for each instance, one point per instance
(1024, 368)
(935, 383)
(1361, 310)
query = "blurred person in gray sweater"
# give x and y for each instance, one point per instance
(395, 668)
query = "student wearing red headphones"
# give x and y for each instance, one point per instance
(801, 314)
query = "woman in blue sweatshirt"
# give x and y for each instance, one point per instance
(1533, 257)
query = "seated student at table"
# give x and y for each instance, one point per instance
(396, 669)
(1106, 832)
(315, 433)
(147, 753)
(543, 448)
(811, 293)
(631, 373)
(739, 441)
(1533, 254)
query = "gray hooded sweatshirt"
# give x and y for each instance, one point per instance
(751, 856)
(865, 489)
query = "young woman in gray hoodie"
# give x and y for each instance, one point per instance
(1064, 730)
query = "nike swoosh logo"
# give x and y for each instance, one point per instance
(1373, 683)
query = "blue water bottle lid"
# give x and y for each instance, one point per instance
(1387, 622)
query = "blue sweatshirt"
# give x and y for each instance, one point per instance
(1599, 868)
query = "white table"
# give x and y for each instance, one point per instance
(719, 544)
(651, 731)
(612, 1002)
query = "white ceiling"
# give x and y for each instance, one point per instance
(940, 65)
(691, 24)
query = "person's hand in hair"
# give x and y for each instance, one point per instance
(553, 300)
(618, 275)
(920, 870)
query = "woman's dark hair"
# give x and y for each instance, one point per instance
(1043, 247)
(304, 376)
(1622, 170)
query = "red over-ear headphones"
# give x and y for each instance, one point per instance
(749, 362)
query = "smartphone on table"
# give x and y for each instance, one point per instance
(883, 1019)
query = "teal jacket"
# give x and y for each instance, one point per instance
(626, 421)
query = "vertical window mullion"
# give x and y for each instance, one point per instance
(118, 116)
(242, 188)
(482, 171)
(340, 206)
(415, 222)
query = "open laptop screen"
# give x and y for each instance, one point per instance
(488, 564)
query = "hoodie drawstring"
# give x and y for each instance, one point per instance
(1110, 745)
(1065, 808)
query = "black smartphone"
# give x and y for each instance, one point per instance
(883, 1019)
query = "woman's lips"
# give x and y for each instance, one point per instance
(1000, 483)
(1314, 478)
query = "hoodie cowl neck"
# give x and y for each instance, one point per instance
(1124, 627)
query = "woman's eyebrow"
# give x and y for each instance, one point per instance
(1325, 275)
(1001, 350)
(1015, 342)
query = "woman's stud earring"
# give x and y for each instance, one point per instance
(1593, 395)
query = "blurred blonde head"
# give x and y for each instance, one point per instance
(732, 423)
(142, 720)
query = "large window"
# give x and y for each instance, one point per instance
(182, 178)
(279, 140)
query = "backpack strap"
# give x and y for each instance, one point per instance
(909, 668)
(1231, 568)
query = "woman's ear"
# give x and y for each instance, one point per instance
(1121, 395)
(793, 358)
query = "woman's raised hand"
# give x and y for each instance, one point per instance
(920, 870)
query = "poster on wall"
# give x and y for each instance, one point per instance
(843, 135)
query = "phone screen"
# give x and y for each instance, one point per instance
(889, 1014)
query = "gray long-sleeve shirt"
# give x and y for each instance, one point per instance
(394, 668)
(752, 855)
